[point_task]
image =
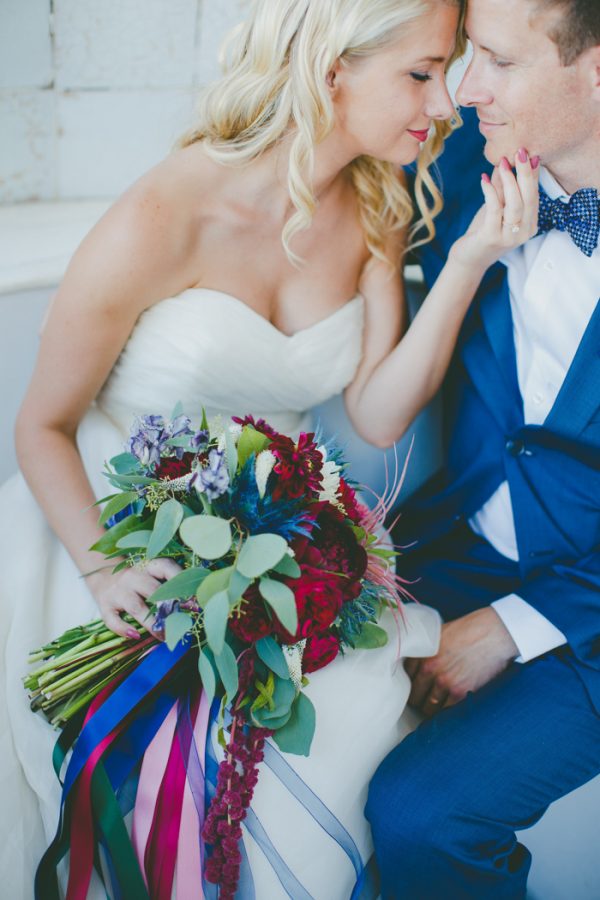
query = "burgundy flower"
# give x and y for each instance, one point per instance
(320, 650)
(253, 622)
(319, 597)
(257, 424)
(334, 548)
(171, 467)
(298, 467)
(347, 497)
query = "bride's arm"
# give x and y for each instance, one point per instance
(126, 263)
(401, 369)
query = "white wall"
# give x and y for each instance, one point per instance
(94, 93)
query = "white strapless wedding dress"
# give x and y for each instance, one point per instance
(203, 348)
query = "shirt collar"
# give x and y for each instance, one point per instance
(551, 187)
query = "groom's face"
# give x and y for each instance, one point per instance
(523, 95)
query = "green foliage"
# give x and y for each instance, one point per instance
(231, 454)
(209, 536)
(250, 441)
(207, 673)
(135, 540)
(282, 601)
(177, 625)
(216, 613)
(260, 553)
(168, 519)
(228, 670)
(181, 586)
(213, 583)
(108, 542)
(115, 504)
(288, 566)
(125, 463)
(371, 637)
(297, 734)
(272, 655)
(278, 710)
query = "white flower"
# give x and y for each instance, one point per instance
(330, 478)
(234, 429)
(264, 466)
(216, 429)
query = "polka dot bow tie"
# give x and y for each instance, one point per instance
(580, 217)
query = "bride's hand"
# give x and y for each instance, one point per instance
(127, 591)
(508, 217)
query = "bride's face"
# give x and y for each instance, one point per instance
(384, 104)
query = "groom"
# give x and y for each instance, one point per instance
(509, 534)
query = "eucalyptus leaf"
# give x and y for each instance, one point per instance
(260, 553)
(261, 718)
(125, 481)
(231, 453)
(371, 637)
(288, 566)
(168, 519)
(136, 540)
(213, 583)
(177, 625)
(181, 586)
(250, 441)
(117, 503)
(272, 655)
(226, 663)
(216, 614)
(177, 411)
(108, 542)
(207, 674)
(296, 735)
(282, 601)
(209, 536)
(283, 697)
(238, 584)
(125, 463)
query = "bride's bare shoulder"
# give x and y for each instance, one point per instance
(150, 233)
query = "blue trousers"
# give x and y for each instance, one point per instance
(445, 804)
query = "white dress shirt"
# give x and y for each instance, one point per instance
(553, 289)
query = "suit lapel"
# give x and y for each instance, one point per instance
(579, 396)
(489, 353)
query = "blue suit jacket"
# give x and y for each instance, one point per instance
(553, 469)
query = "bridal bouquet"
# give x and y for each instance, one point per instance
(281, 571)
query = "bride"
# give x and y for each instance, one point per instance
(255, 270)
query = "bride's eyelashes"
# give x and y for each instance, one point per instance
(420, 76)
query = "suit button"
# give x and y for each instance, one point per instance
(515, 448)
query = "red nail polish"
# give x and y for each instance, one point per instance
(133, 634)
(535, 161)
(485, 177)
(504, 164)
(522, 155)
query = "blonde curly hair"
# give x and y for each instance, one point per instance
(274, 83)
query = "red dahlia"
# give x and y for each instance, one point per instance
(298, 466)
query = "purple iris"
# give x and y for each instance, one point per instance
(150, 436)
(163, 610)
(214, 479)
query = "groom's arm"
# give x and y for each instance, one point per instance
(478, 647)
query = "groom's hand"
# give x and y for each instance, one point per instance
(473, 650)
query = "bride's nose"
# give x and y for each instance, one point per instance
(439, 104)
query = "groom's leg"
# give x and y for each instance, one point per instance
(445, 804)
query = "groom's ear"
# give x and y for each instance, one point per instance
(592, 63)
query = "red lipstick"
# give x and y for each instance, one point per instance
(421, 136)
